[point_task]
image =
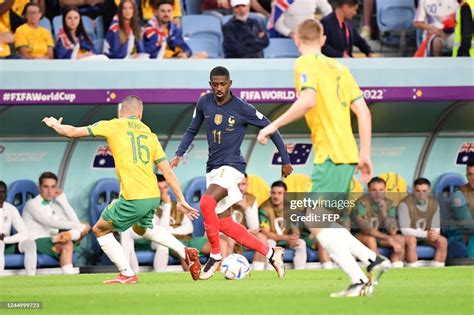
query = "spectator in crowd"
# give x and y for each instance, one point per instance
(245, 212)
(419, 221)
(341, 35)
(147, 11)
(6, 38)
(163, 38)
(12, 11)
(375, 222)
(437, 19)
(18, 242)
(52, 222)
(31, 40)
(124, 39)
(462, 205)
(90, 8)
(272, 225)
(464, 31)
(218, 8)
(299, 11)
(244, 37)
(168, 217)
(73, 41)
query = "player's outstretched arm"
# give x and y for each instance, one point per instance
(188, 137)
(364, 122)
(65, 130)
(172, 180)
(304, 103)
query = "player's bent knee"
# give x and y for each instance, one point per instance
(442, 242)
(410, 241)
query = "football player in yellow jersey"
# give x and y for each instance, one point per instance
(327, 93)
(135, 149)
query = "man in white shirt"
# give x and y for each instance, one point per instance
(438, 19)
(52, 222)
(419, 221)
(18, 242)
(299, 11)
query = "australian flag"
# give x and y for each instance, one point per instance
(298, 153)
(103, 158)
(465, 153)
(278, 8)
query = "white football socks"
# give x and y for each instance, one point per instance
(114, 251)
(435, 263)
(160, 262)
(258, 265)
(299, 261)
(334, 240)
(397, 264)
(164, 237)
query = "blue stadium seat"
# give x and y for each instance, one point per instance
(192, 194)
(86, 21)
(104, 191)
(212, 47)
(99, 45)
(423, 252)
(192, 6)
(281, 48)
(99, 27)
(20, 191)
(46, 23)
(445, 186)
(202, 26)
(395, 16)
(312, 255)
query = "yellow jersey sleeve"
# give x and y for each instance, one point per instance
(159, 152)
(20, 38)
(305, 77)
(103, 128)
(352, 88)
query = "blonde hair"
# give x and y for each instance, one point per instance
(310, 31)
(131, 105)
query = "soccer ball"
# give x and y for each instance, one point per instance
(235, 266)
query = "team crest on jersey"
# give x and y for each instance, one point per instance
(218, 119)
(303, 78)
(231, 121)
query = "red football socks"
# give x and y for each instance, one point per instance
(211, 222)
(240, 234)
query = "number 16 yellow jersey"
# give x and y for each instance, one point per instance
(135, 150)
(330, 120)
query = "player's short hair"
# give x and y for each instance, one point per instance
(47, 175)
(310, 31)
(131, 104)
(246, 175)
(350, 3)
(376, 180)
(469, 164)
(156, 4)
(280, 183)
(3, 184)
(160, 178)
(219, 71)
(421, 181)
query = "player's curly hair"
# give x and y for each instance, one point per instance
(219, 71)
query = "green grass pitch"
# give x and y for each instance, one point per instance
(447, 290)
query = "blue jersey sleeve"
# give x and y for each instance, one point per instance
(60, 51)
(196, 122)
(255, 118)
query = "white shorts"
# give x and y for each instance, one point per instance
(229, 178)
